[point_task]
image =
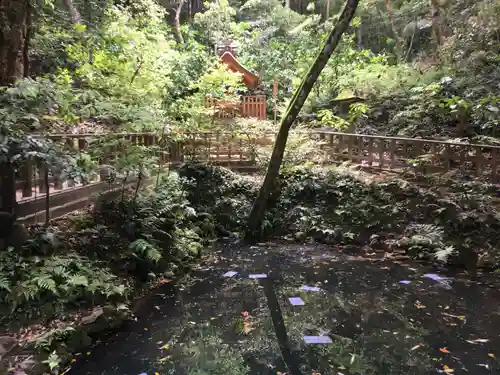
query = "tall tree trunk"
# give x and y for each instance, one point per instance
(436, 20)
(13, 31)
(74, 14)
(259, 208)
(13, 54)
(177, 23)
(399, 49)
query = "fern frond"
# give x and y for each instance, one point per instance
(78, 280)
(5, 284)
(425, 233)
(46, 282)
(442, 255)
(145, 249)
(59, 270)
(25, 292)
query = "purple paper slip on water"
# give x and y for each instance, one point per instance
(434, 277)
(258, 276)
(311, 288)
(296, 301)
(230, 274)
(317, 340)
(405, 282)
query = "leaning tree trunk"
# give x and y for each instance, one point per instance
(259, 208)
(177, 23)
(13, 64)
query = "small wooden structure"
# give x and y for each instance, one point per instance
(252, 104)
(247, 106)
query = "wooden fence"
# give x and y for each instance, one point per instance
(395, 153)
(248, 106)
(66, 195)
(241, 150)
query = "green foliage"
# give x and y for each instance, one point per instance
(219, 194)
(146, 234)
(341, 207)
(33, 286)
(217, 22)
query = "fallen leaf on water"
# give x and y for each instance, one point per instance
(89, 353)
(247, 327)
(461, 317)
(165, 359)
(444, 350)
(419, 306)
(448, 370)
(164, 347)
(157, 373)
(416, 347)
(146, 329)
(491, 355)
(73, 360)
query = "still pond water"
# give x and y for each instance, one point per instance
(382, 318)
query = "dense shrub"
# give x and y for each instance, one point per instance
(225, 196)
(95, 258)
(338, 206)
(146, 234)
(44, 286)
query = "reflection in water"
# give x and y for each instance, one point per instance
(239, 326)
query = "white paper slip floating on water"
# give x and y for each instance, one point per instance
(317, 340)
(296, 301)
(258, 276)
(230, 274)
(311, 288)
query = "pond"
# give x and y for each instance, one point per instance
(373, 316)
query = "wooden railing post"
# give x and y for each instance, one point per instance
(370, 151)
(494, 165)
(392, 152)
(349, 146)
(44, 177)
(381, 148)
(27, 178)
(478, 160)
(8, 188)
